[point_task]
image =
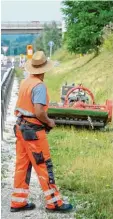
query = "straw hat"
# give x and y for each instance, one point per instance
(38, 64)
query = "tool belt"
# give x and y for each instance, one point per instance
(29, 129)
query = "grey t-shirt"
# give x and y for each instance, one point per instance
(39, 94)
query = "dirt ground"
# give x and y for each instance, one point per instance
(8, 165)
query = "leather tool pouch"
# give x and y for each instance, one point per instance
(28, 133)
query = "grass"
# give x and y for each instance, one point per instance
(84, 169)
(18, 73)
(83, 160)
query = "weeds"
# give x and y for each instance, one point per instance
(83, 160)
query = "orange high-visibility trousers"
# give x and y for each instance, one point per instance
(34, 153)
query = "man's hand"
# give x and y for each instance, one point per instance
(42, 115)
(51, 123)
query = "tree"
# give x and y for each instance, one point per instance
(50, 33)
(85, 21)
(38, 44)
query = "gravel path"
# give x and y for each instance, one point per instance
(7, 162)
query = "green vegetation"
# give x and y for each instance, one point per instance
(108, 43)
(18, 73)
(108, 37)
(85, 21)
(84, 170)
(50, 33)
(83, 159)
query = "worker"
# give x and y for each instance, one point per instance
(32, 148)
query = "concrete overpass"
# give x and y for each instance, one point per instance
(27, 27)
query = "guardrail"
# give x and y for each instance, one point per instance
(6, 87)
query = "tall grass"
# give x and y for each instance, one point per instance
(84, 169)
(83, 160)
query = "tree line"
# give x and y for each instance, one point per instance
(85, 22)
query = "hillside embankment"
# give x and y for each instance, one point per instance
(82, 158)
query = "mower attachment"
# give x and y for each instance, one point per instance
(78, 108)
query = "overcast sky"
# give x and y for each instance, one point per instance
(24, 10)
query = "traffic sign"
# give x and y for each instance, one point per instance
(5, 48)
(51, 43)
(29, 51)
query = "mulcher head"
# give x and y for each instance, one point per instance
(76, 110)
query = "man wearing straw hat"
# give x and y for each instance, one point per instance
(32, 148)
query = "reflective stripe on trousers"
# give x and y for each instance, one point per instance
(49, 192)
(20, 190)
(18, 199)
(55, 199)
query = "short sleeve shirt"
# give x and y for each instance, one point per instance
(39, 94)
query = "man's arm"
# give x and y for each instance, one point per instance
(42, 115)
(39, 101)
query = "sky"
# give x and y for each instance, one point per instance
(24, 10)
